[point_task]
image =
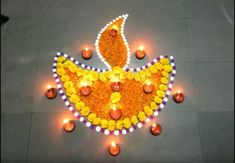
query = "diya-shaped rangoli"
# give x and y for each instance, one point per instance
(116, 100)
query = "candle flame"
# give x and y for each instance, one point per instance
(154, 125)
(179, 91)
(86, 49)
(114, 79)
(141, 47)
(83, 84)
(113, 144)
(115, 27)
(113, 106)
(49, 86)
(148, 82)
(66, 121)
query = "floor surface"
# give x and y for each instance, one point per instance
(198, 33)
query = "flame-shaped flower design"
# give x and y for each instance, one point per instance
(116, 100)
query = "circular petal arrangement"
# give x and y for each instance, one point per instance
(116, 100)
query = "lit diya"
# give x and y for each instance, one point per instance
(69, 125)
(51, 92)
(148, 87)
(155, 129)
(85, 90)
(116, 85)
(114, 149)
(140, 53)
(86, 53)
(115, 113)
(114, 30)
(178, 97)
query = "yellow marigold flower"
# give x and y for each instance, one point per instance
(129, 75)
(148, 111)
(111, 125)
(141, 116)
(102, 77)
(160, 93)
(165, 74)
(119, 124)
(61, 71)
(95, 75)
(163, 87)
(91, 117)
(147, 72)
(168, 68)
(68, 84)
(79, 105)
(74, 98)
(68, 63)
(142, 74)
(70, 91)
(85, 111)
(153, 105)
(61, 59)
(159, 66)
(122, 76)
(117, 70)
(72, 68)
(79, 72)
(164, 61)
(164, 80)
(96, 121)
(127, 123)
(134, 119)
(104, 123)
(153, 69)
(65, 78)
(115, 97)
(157, 99)
(60, 65)
(136, 77)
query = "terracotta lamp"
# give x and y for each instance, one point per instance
(85, 90)
(155, 129)
(178, 97)
(115, 113)
(86, 53)
(148, 87)
(114, 31)
(140, 53)
(69, 125)
(51, 92)
(114, 149)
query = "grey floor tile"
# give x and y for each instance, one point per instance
(43, 78)
(104, 8)
(3, 42)
(14, 137)
(214, 88)
(50, 143)
(184, 82)
(211, 40)
(159, 36)
(179, 141)
(23, 8)
(22, 39)
(209, 9)
(217, 136)
(17, 87)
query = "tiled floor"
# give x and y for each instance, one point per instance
(200, 35)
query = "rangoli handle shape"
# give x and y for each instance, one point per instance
(111, 44)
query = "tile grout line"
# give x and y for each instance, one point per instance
(194, 105)
(39, 46)
(29, 136)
